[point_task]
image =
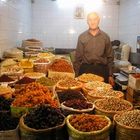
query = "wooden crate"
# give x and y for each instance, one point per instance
(133, 95)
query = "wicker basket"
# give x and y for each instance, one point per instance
(125, 132)
(93, 135)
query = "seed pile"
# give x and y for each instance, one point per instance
(78, 104)
(43, 117)
(69, 95)
(130, 118)
(5, 103)
(87, 122)
(7, 122)
(113, 104)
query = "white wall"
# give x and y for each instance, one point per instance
(15, 22)
(129, 22)
(56, 26)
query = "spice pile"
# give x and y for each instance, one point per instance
(88, 123)
(34, 94)
(78, 104)
(43, 117)
(69, 95)
(61, 65)
(113, 104)
(129, 118)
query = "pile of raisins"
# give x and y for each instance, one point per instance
(7, 122)
(43, 117)
(69, 95)
(5, 103)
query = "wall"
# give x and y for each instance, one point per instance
(129, 22)
(15, 22)
(53, 22)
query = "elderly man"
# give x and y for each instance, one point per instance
(94, 52)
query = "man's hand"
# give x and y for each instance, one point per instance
(111, 81)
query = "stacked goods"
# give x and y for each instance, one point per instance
(62, 68)
(134, 81)
(5, 104)
(33, 43)
(42, 123)
(14, 53)
(34, 94)
(128, 125)
(99, 94)
(69, 95)
(41, 65)
(88, 77)
(111, 106)
(133, 96)
(46, 81)
(87, 127)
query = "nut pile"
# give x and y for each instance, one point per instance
(104, 93)
(69, 82)
(87, 122)
(78, 104)
(113, 104)
(129, 118)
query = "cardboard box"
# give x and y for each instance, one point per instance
(134, 81)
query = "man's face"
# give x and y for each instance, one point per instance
(93, 21)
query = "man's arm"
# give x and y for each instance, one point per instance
(78, 56)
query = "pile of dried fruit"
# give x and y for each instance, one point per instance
(34, 94)
(42, 60)
(129, 118)
(69, 95)
(25, 80)
(43, 117)
(78, 104)
(7, 122)
(113, 104)
(61, 65)
(87, 122)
